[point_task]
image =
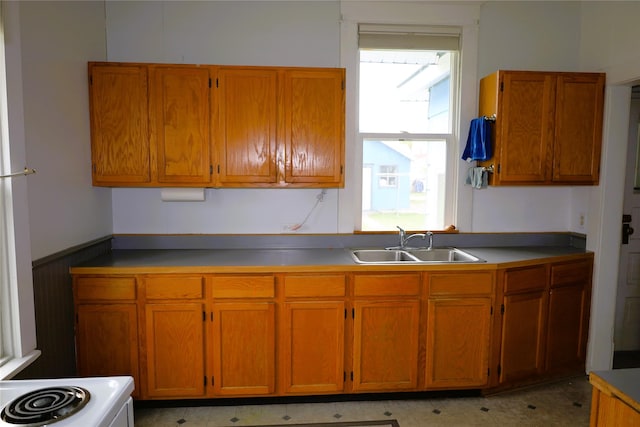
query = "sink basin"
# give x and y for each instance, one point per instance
(412, 256)
(443, 255)
(382, 256)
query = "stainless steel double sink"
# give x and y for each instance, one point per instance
(413, 256)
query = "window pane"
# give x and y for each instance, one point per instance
(403, 183)
(405, 91)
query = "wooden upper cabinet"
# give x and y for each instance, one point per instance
(118, 99)
(313, 114)
(246, 125)
(168, 125)
(578, 128)
(548, 127)
(180, 124)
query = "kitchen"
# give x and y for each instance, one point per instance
(49, 44)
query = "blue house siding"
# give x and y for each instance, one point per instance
(377, 154)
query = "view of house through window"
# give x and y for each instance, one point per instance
(405, 126)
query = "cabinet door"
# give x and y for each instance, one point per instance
(524, 134)
(385, 353)
(313, 347)
(175, 350)
(458, 341)
(523, 326)
(243, 348)
(180, 124)
(314, 126)
(246, 128)
(578, 128)
(107, 340)
(118, 99)
(567, 330)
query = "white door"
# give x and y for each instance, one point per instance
(627, 324)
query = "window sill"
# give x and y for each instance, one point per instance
(15, 365)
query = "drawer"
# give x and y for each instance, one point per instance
(460, 284)
(243, 286)
(386, 284)
(321, 285)
(105, 288)
(174, 287)
(525, 279)
(571, 272)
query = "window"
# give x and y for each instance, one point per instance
(407, 103)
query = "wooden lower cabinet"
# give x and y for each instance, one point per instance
(313, 347)
(174, 347)
(107, 340)
(524, 316)
(385, 354)
(194, 336)
(312, 328)
(243, 348)
(568, 327)
(106, 329)
(386, 331)
(458, 326)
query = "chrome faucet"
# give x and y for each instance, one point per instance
(404, 239)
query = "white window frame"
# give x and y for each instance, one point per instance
(17, 316)
(465, 16)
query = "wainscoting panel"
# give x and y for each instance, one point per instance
(53, 299)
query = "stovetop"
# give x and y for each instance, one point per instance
(107, 396)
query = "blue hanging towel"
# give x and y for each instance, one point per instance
(479, 141)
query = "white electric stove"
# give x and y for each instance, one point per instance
(95, 402)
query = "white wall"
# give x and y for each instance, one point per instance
(58, 38)
(237, 33)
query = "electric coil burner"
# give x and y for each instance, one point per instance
(67, 402)
(45, 406)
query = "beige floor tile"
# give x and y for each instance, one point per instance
(566, 403)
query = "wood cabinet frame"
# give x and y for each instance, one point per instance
(369, 318)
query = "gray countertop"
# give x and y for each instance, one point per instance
(338, 258)
(624, 383)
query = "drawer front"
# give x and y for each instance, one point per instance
(460, 284)
(314, 286)
(386, 284)
(105, 288)
(525, 279)
(572, 272)
(242, 286)
(174, 287)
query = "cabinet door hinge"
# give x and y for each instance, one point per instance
(218, 168)
(351, 376)
(210, 169)
(341, 169)
(211, 316)
(94, 168)
(501, 308)
(501, 86)
(91, 79)
(344, 376)
(342, 85)
(217, 85)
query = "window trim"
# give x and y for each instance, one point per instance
(465, 16)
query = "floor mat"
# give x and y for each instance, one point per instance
(377, 423)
